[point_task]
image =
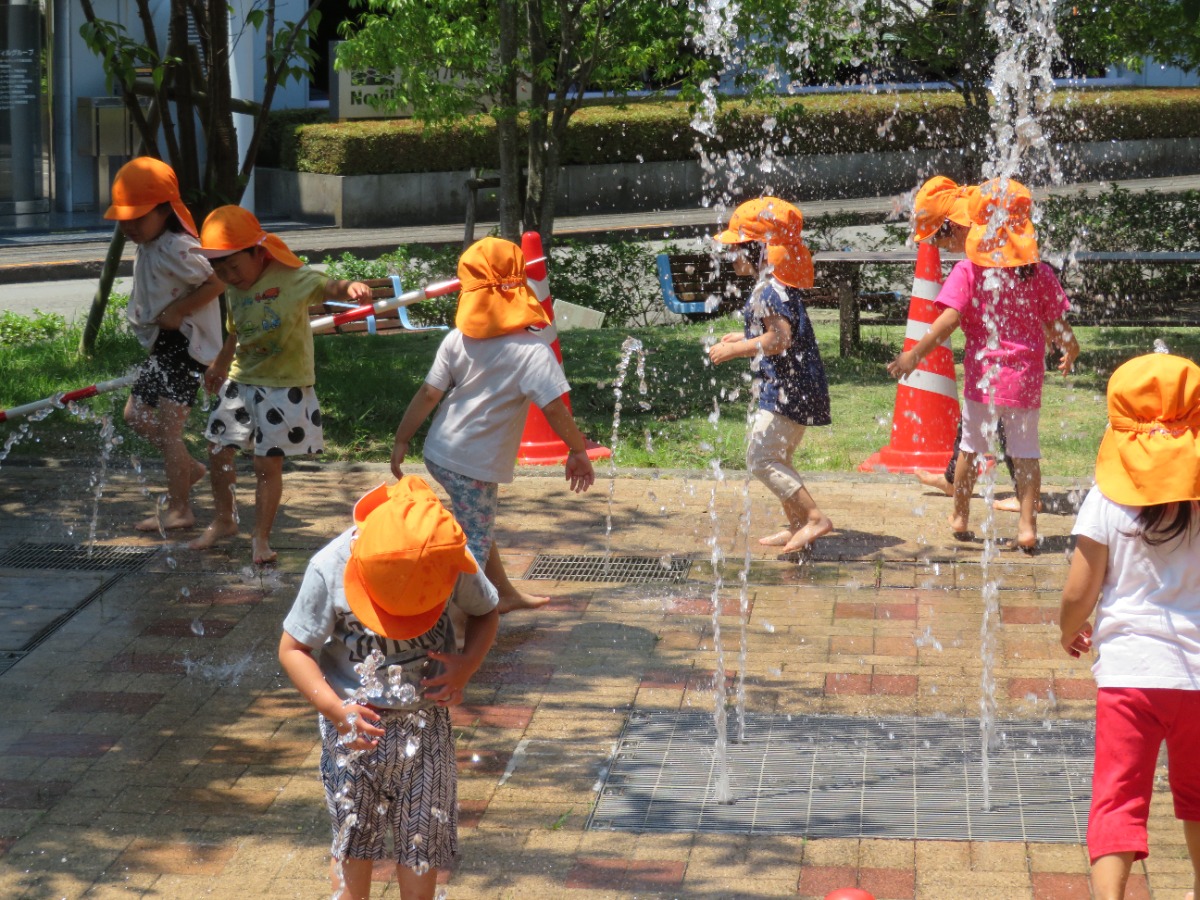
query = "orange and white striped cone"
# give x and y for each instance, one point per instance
(925, 418)
(540, 446)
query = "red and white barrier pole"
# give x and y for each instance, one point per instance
(101, 387)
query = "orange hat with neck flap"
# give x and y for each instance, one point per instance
(495, 298)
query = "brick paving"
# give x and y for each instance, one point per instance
(151, 747)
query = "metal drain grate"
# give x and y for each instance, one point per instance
(74, 558)
(839, 776)
(672, 569)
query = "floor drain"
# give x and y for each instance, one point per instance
(839, 776)
(580, 567)
(74, 558)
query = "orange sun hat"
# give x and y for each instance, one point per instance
(229, 229)
(1150, 452)
(1002, 235)
(495, 298)
(932, 206)
(142, 184)
(779, 225)
(405, 559)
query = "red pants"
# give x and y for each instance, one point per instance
(1131, 724)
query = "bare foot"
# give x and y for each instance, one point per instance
(1027, 542)
(213, 535)
(778, 539)
(263, 555)
(806, 535)
(935, 480)
(169, 521)
(199, 470)
(959, 527)
(520, 600)
(1012, 504)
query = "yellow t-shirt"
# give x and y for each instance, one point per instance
(274, 339)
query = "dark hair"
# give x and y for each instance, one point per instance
(1163, 522)
(753, 251)
(945, 230)
(172, 223)
(1027, 272)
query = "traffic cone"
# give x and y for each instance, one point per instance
(540, 446)
(925, 418)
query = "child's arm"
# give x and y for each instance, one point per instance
(1081, 593)
(424, 401)
(578, 467)
(218, 370)
(341, 289)
(775, 339)
(1061, 335)
(302, 669)
(943, 326)
(171, 318)
(457, 668)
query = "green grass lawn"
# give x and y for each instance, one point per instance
(365, 383)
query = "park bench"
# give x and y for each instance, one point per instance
(392, 321)
(687, 280)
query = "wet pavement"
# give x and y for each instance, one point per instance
(150, 746)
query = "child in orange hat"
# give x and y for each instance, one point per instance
(1006, 301)
(487, 371)
(1137, 564)
(942, 217)
(264, 374)
(790, 377)
(373, 608)
(173, 311)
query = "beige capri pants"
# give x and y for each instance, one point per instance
(773, 442)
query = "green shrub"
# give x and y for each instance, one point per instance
(649, 131)
(41, 326)
(417, 265)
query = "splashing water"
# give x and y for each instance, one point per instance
(631, 348)
(23, 431)
(720, 718)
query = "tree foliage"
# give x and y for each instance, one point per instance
(528, 58)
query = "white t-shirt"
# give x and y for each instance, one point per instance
(164, 270)
(489, 385)
(1147, 627)
(321, 619)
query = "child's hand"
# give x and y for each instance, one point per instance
(1069, 355)
(169, 319)
(399, 452)
(731, 337)
(214, 377)
(359, 292)
(580, 472)
(365, 726)
(449, 686)
(1080, 642)
(722, 352)
(903, 365)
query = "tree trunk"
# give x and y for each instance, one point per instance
(507, 131)
(108, 274)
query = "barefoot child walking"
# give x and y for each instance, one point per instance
(375, 599)
(263, 376)
(174, 313)
(778, 337)
(487, 371)
(1001, 291)
(1137, 564)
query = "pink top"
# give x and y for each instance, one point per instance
(1021, 309)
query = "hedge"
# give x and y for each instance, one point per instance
(661, 131)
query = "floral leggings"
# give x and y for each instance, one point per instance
(473, 503)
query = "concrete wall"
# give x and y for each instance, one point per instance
(366, 201)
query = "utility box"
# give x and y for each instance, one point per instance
(103, 127)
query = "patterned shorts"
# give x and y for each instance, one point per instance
(270, 421)
(473, 503)
(407, 785)
(169, 374)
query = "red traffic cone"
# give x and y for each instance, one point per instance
(851, 893)
(925, 418)
(540, 446)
